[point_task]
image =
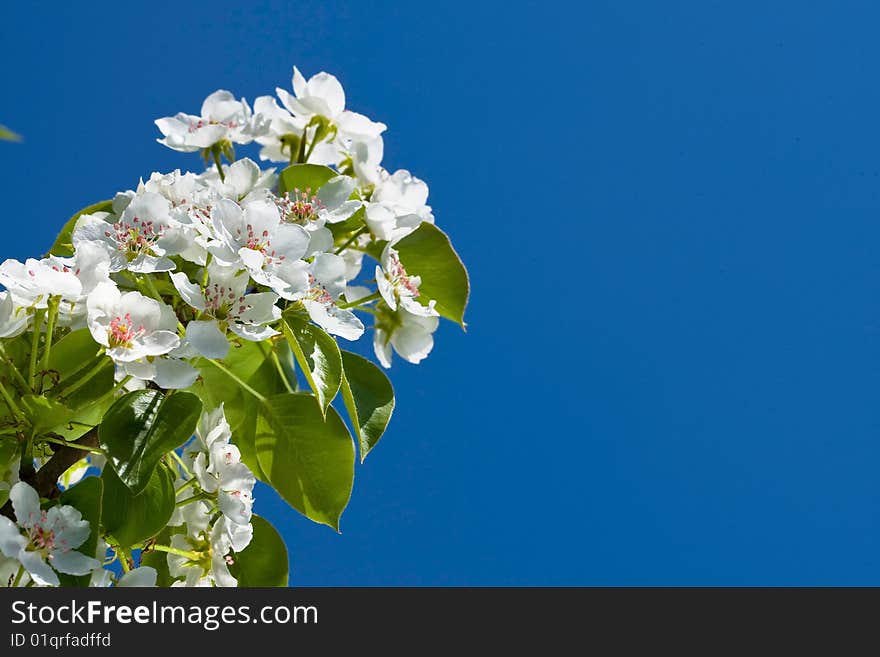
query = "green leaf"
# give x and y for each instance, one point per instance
(264, 561)
(131, 519)
(303, 177)
(142, 426)
(318, 356)
(63, 245)
(7, 135)
(73, 353)
(427, 252)
(309, 459)
(87, 497)
(44, 414)
(369, 398)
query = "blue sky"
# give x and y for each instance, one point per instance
(670, 216)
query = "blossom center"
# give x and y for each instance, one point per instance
(399, 278)
(136, 237)
(40, 537)
(122, 332)
(318, 292)
(301, 208)
(260, 242)
(201, 123)
(221, 302)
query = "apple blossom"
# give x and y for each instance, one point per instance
(411, 336)
(222, 118)
(44, 540)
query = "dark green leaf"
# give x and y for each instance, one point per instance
(318, 357)
(427, 252)
(141, 427)
(309, 459)
(131, 519)
(304, 177)
(63, 245)
(87, 497)
(264, 561)
(369, 399)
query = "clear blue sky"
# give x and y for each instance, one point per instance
(671, 216)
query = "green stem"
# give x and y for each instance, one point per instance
(88, 376)
(301, 153)
(192, 556)
(151, 287)
(194, 498)
(274, 356)
(123, 559)
(35, 344)
(215, 152)
(180, 462)
(18, 576)
(205, 273)
(64, 443)
(185, 485)
(50, 332)
(354, 304)
(16, 374)
(10, 402)
(360, 231)
(235, 378)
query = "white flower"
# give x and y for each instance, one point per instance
(70, 279)
(243, 181)
(223, 304)
(284, 131)
(330, 205)
(366, 158)
(32, 283)
(318, 286)
(399, 288)
(219, 470)
(410, 335)
(322, 95)
(38, 537)
(398, 206)
(214, 558)
(140, 240)
(254, 237)
(223, 118)
(13, 318)
(134, 329)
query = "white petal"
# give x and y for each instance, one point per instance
(336, 191)
(144, 576)
(173, 373)
(39, 570)
(26, 504)
(158, 343)
(11, 540)
(207, 338)
(189, 292)
(328, 89)
(73, 562)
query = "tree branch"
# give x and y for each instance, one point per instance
(45, 479)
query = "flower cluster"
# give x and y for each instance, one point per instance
(237, 249)
(173, 276)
